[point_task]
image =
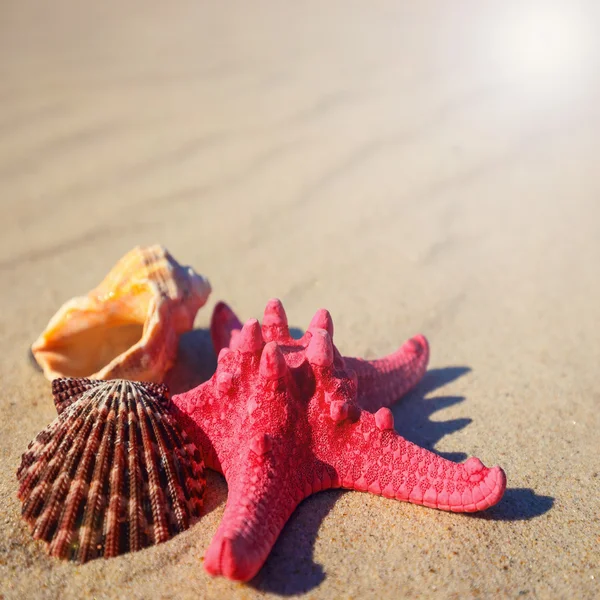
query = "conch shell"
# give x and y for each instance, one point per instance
(114, 473)
(129, 326)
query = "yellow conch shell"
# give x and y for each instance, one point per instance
(129, 326)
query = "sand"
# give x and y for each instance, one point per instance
(413, 167)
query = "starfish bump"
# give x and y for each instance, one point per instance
(284, 418)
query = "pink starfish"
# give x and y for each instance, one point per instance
(284, 418)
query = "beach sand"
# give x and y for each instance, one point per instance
(412, 167)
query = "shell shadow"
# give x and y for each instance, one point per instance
(196, 361)
(32, 361)
(412, 414)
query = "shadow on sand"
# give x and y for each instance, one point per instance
(517, 504)
(196, 362)
(412, 413)
(290, 568)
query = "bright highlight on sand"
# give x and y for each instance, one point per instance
(542, 41)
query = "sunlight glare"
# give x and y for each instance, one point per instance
(547, 41)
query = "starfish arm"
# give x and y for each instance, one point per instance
(223, 325)
(383, 381)
(378, 460)
(262, 496)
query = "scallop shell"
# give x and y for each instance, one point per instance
(113, 473)
(129, 326)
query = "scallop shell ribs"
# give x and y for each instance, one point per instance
(129, 326)
(113, 473)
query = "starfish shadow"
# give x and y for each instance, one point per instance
(296, 332)
(517, 504)
(290, 568)
(411, 414)
(196, 361)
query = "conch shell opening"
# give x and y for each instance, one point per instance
(127, 327)
(69, 351)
